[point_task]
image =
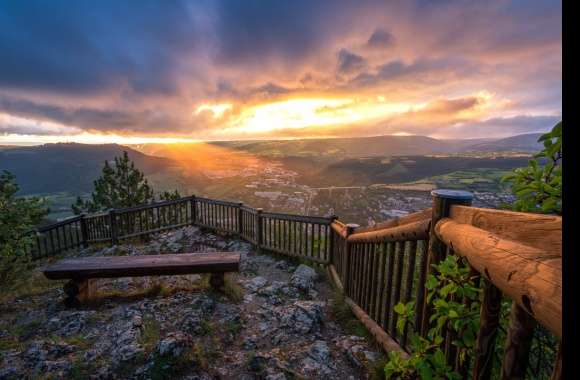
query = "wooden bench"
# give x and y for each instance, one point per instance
(81, 271)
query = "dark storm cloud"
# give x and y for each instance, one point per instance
(381, 38)
(254, 30)
(92, 118)
(349, 63)
(89, 46)
(144, 66)
(397, 69)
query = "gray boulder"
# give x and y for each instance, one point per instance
(303, 278)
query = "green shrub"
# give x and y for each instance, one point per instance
(18, 216)
(538, 187)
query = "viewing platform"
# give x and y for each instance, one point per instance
(511, 254)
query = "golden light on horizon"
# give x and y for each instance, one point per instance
(216, 109)
(298, 113)
(299, 117)
(92, 138)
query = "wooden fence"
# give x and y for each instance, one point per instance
(516, 255)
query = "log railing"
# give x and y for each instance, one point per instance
(516, 255)
(308, 237)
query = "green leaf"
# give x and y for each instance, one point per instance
(400, 308)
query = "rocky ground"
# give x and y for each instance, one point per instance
(275, 321)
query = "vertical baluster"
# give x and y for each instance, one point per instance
(382, 284)
(518, 344)
(57, 238)
(303, 239)
(311, 251)
(399, 259)
(319, 241)
(420, 300)
(375, 282)
(259, 237)
(390, 269)
(286, 238)
(486, 338)
(409, 283)
(367, 277)
(370, 279)
(557, 372)
(355, 271)
(360, 272)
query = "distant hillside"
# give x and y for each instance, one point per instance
(68, 167)
(368, 171)
(379, 146)
(343, 147)
(520, 143)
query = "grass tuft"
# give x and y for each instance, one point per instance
(232, 289)
(345, 318)
(150, 334)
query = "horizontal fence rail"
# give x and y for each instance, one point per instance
(308, 237)
(513, 256)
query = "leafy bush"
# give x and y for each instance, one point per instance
(18, 215)
(455, 298)
(538, 187)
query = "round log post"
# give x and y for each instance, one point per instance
(330, 237)
(217, 281)
(84, 231)
(77, 291)
(113, 226)
(193, 209)
(240, 219)
(259, 237)
(442, 201)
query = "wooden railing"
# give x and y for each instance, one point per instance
(516, 255)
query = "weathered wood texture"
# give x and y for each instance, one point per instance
(543, 232)
(386, 342)
(78, 291)
(442, 202)
(413, 231)
(518, 254)
(486, 338)
(400, 221)
(518, 344)
(146, 265)
(529, 276)
(557, 372)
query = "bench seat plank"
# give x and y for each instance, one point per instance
(145, 265)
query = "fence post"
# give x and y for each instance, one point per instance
(442, 202)
(113, 225)
(193, 206)
(350, 227)
(240, 219)
(84, 231)
(331, 240)
(259, 239)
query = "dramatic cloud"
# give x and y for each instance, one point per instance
(278, 68)
(381, 38)
(349, 63)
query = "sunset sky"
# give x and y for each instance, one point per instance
(149, 71)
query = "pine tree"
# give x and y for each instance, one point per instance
(120, 186)
(18, 216)
(169, 195)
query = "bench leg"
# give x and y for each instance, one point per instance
(217, 281)
(78, 291)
